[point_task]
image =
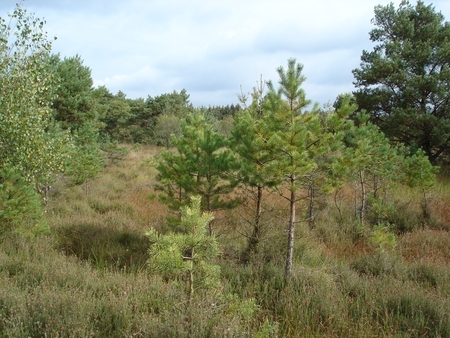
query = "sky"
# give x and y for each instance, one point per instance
(212, 48)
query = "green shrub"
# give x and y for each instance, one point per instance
(21, 207)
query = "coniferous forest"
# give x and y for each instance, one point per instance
(274, 217)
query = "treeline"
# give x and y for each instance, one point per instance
(118, 118)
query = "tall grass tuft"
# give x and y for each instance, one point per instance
(416, 314)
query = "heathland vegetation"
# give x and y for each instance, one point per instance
(273, 218)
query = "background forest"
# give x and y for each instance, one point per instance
(272, 218)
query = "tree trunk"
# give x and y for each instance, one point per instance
(311, 215)
(290, 251)
(253, 241)
(180, 199)
(208, 201)
(425, 205)
(363, 198)
(189, 309)
(191, 280)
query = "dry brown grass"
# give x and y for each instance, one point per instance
(426, 246)
(440, 209)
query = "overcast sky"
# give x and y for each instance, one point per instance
(211, 47)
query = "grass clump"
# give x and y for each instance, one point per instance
(416, 315)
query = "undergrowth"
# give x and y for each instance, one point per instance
(89, 277)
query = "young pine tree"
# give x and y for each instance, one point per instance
(21, 208)
(254, 156)
(421, 174)
(294, 136)
(371, 163)
(202, 165)
(188, 254)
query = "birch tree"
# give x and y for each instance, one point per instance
(30, 142)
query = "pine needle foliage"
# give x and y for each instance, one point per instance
(202, 165)
(403, 82)
(188, 255)
(20, 206)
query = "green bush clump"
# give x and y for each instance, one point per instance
(21, 207)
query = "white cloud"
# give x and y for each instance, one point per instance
(210, 48)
